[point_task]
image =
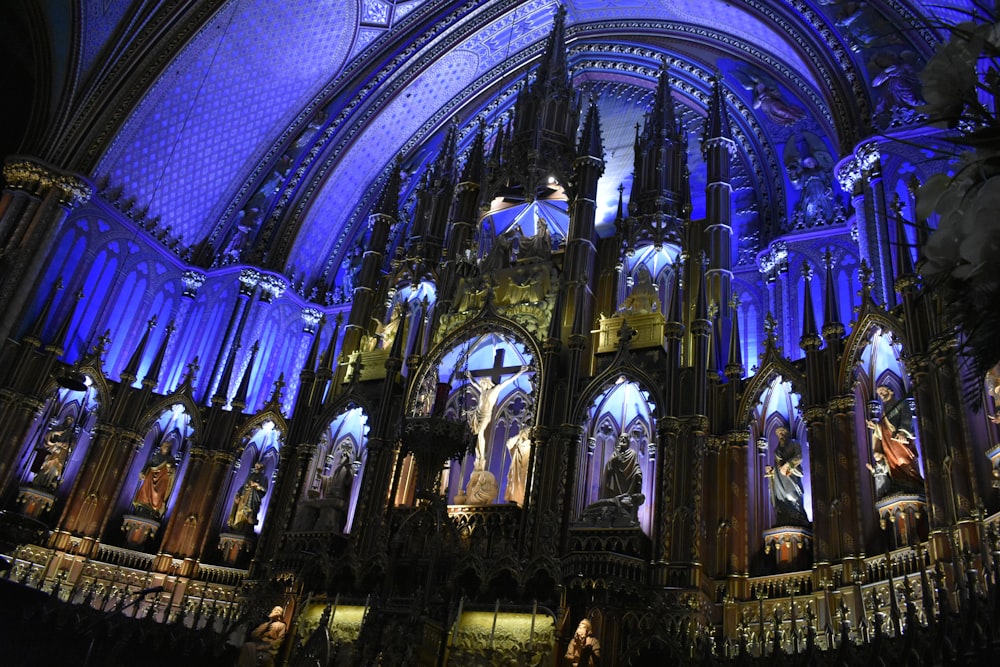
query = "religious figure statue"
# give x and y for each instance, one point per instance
(481, 418)
(337, 486)
(58, 444)
(893, 435)
(246, 504)
(519, 447)
(993, 391)
(880, 471)
(539, 245)
(500, 255)
(810, 168)
(157, 479)
(584, 649)
(787, 492)
(482, 489)
(622, 474)
(265, 639)
(385, 333)
(643, 298)
(768, 98)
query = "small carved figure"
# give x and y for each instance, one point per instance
(265, 639)
(58, 445)
(880, 471)
(246, 504)
(584, 649)
(519, 447)
(157, 480)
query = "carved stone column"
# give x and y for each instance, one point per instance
(193, 515)
(98, 487)
(31, 233)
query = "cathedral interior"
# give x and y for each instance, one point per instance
(495, 332)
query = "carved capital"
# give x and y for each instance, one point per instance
(39, 179)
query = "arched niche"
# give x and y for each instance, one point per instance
(151, 483)
(485, 379)
(333, 480)
(658, 261)
(618, 458)
(779, 483)
(249, 494)
(55, 446)
(882, 396)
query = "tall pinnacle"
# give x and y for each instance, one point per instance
(553, 73)
(389, 203)
(717, 125)
(810, 335)
(590, 139)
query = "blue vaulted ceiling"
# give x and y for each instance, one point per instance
(293, 112)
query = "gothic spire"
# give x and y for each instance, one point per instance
(240, 399)
(553, 72)
(153, 374)
(473, 170)
(717, 125)
(904, 262)
(389, 203)
(810, 334)
(222, 391)
(832, 326)
(590, 139)
(131, 370)
(734, 369)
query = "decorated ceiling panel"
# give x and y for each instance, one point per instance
(354, 84)
(221, 104)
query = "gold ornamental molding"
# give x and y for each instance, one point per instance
(38, 179)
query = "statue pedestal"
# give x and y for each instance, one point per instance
(905, 515)
(36, 501)
(231, 544)
(138, 529)
(791, 546)
(648, 331)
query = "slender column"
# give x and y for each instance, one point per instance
(98, 486)
(31, 239)
(193, 512)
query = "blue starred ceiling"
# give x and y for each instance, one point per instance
(353, 84)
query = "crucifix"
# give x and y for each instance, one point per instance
(490, 383)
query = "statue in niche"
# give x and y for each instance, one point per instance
(519, 447)
(643, 298)
(246, 504)
(621, 489)
(265, 640)
(480, 419)
(785, 476)
(893, 436)
(538, 246)
(57, 445)
(810, 168)
(336, 488)
(584, 648)
(156, 482)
